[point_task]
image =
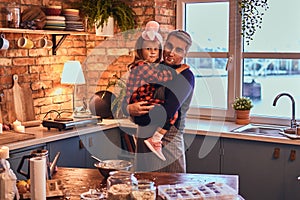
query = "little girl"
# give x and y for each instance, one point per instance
(145, 76)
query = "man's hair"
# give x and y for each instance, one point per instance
(183, 35)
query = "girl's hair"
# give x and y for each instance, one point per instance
(139, 54)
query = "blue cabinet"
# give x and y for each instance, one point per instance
(260, 167)
(266, 170)
(77, 151)
(202, 154)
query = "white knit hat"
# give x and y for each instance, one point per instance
(151, 32)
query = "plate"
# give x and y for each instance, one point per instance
(92, 195)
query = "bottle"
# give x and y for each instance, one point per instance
(8, 180)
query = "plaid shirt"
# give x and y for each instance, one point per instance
(142, 79)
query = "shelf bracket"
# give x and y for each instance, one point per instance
(56, 44)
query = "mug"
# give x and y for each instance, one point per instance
(4, 43)
(44, 43)
(25, 43)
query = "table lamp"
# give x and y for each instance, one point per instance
(72, 74)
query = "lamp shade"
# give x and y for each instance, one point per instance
(72, 73)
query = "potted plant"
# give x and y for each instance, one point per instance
(242, 107)
(252, 12)
(98, 12)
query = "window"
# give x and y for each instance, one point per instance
(225, 68)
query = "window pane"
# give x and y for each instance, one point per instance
(264, 79)
(210, 82)
(280, 30)
(208, 30)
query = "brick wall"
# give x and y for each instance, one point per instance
(100, 57)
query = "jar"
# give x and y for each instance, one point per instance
(119, 185)
(13, 16)
(144, 190)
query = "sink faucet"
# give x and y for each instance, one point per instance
(293, 120)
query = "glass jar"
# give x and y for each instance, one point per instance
(13, 16)
(144, 190)
(119, 185)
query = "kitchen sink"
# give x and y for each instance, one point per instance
(261, 129)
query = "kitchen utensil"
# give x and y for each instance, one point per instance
(38, 153)
(106, 166)
(98, 159)
(18, 102)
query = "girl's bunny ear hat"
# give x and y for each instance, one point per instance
(151, 32)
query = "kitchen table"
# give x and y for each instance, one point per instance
(78, 180)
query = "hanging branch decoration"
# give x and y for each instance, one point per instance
(252, 12)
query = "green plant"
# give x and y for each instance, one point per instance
(252, 12)
(98, 11)
(242, 103)
(116, 104)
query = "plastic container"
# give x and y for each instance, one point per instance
(197, 191)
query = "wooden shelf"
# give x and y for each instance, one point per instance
(51, 32)
(54, 33)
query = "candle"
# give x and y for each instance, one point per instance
(20, 129)
(16, 124)
(4, 152)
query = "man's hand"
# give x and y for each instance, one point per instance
(139, 108)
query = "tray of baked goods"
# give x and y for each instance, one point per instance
(198, 191)
(54, 188)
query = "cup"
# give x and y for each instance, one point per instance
(25, 43)
(4, 43)
(44, 43)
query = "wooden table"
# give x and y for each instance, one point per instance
(79, 180)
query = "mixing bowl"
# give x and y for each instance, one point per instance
(106, 166)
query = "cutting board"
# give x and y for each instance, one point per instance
(18, 103)
(9, 137)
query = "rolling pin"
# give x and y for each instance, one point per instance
(31, 123)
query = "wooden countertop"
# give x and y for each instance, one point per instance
(79, 180)
(193, 126)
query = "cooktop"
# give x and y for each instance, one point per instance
(69, 123)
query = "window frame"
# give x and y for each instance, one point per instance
(235, 68)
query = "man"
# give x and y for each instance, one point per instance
(177, 94)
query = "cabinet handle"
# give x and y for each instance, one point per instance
(276, 153)
(293, 155)
(81, 145)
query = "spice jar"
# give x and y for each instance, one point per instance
(144, 190)
(119, 185)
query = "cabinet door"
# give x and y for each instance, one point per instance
(202, 153)
(72, 152)
(292, 172)
(15, 157)
(260, 167)
(103, 144)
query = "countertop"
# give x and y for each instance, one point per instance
(193, 126)
(78, 180)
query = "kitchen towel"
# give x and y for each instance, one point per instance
(38, 178)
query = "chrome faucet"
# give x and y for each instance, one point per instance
(293, 120)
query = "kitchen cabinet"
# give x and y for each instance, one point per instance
(266, 170)
(72, 152)
(77, 151)
(102, 144)
(202, 154)
(15, 157)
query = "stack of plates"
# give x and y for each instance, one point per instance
(55, 23)
(73, 20)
